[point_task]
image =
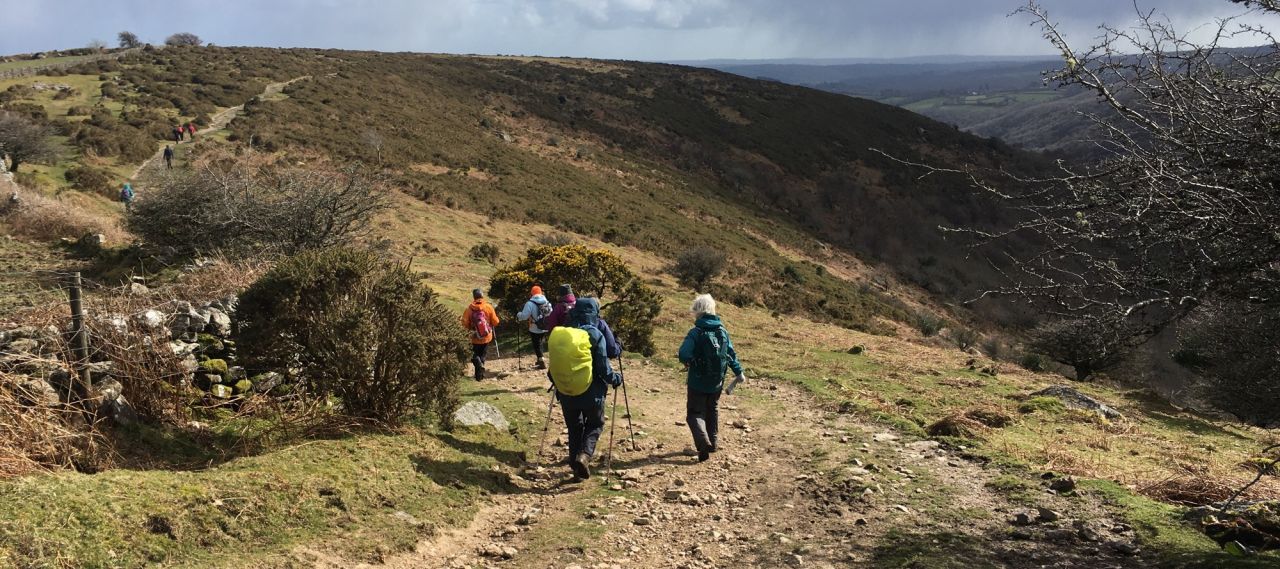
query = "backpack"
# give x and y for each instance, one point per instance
(126, 194)
(480, 327)
(710, 356)
(570, 351)
(540, 318)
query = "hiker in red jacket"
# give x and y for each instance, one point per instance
(191, 128)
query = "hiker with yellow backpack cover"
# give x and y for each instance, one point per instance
(580, 373)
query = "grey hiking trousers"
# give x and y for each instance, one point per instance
(704, 419)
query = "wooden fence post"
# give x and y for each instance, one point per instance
(79, 339)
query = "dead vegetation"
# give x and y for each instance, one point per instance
(38, 217)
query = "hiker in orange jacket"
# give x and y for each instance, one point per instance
(480, 320)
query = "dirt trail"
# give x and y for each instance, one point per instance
(218, 121)
(795, 484)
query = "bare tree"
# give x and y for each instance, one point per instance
(245, 207)
(97, 45)
(696, 267)
(1087, 345)
(183, 39)
(1185, 209)
(23, 140)
(374, 140)
(128, 40)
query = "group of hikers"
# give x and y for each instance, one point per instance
(581, 345)
(187, 131)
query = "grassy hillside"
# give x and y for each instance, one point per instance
(818, 412)
(828, 455)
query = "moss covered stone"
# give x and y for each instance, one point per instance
(215, 367)
(1045, 404)
(243, 386)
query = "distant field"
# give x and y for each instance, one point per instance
(11, 65)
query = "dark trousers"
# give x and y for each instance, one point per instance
(478, 353)
(585, 427)
(168, 162)
(538, 340)
(704, 419)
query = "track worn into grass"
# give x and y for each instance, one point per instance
(788, 487)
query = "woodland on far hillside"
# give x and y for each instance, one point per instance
(1177, 229)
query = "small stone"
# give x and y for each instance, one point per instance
(902, 508)
(1023, 518)
(1124, 547)
(642, 521)
(1045, 515)
(220, 391)
(1063, 485)
(740, 424)
(616, 487)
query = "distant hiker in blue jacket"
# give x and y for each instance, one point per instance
(584, 413)
(536, 311)
(707, 352)
(126, 196)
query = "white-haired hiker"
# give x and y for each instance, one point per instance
(707, 352)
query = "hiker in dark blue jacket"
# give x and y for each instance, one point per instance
(612, 347)
(707, 352)
(584, 414)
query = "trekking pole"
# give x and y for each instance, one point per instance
(626, 401)
(519, 351)
(613, 423)
(546, 425)
(496, 349)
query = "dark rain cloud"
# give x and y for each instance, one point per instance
(634, 29)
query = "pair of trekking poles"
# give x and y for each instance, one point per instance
(613, 419)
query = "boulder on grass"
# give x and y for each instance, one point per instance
(1074, 399)
(477, 413)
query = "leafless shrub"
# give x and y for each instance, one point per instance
(24, 140)
(251, 205)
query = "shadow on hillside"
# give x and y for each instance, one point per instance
(641, 458)
(1159, 410)
(953, 549)
(511, 458)
(489, 392)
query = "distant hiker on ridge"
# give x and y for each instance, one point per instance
(168, 157)
(707, 351)
(480, 320)
(581, 374)
(536, 311)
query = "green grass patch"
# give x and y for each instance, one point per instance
(1160, 528)
(1051, 405)
(232, 513)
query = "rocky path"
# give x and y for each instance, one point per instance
(217, 122)
(795, 484)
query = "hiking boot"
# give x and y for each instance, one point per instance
(541, 364)
(480, 373)
(579, 466)
(703, 456)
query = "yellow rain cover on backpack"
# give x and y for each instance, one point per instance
(570, 351)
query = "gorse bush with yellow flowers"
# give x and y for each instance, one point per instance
(628, 304)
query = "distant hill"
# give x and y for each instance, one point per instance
(1006, 98)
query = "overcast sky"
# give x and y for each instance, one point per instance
(626, 29)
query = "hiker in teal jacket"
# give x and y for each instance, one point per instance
(584, 414)
(707, 352)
